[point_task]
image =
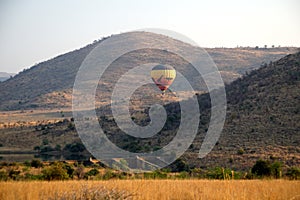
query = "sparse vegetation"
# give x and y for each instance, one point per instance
(60, 170)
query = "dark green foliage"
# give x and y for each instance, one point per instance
(14, 174)
(37, 148)
(70, 169)
(55, 172)
(47, 148)
(27, 163)
(219, 173)
(58, 147)
(179, 165)
(183, 175)
(92, 172)
(3, 176)
(109, 174)
(293, 173)
(74, 147)
(262, 168)
(36, 163)
(276, 169)
(65, 170)
(33, 177)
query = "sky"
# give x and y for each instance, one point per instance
(32, 31)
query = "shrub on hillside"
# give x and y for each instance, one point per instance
(36, 163)
(264, 168)
(92, 172)
(55, 172)
(219, 173)
(261, 168)
(3, 176)
(293, 173)
(74, 147)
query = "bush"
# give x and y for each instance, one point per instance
(179, 165)
(197, 173)
(3, 176)
(27, 163)
(55, 172)
(36, 163)
(74, 147)
(264, 168)
(293, 173)
(70, 170)
(29, 176)
(45, 149)
(14, 174)
(276, 169)
(219, 173)
(261, 168)
(37, 148)
(58, 147)
(92, 172)
(183, 175)
(109, 175)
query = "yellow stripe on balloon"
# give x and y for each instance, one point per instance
(163, 76)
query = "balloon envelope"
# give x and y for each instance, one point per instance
(163, 76)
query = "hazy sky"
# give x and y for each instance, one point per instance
(32, 31)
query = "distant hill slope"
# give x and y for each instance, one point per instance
(263, 117)
(49, 84)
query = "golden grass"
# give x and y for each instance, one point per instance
(159, 189)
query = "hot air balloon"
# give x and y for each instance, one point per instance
(163, 76)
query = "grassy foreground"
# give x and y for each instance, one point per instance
(151, 189)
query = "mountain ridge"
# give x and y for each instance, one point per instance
(48, 85)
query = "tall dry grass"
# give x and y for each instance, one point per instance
(152, 189)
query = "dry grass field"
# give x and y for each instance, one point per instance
(152, 189)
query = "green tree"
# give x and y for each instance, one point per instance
(92, 172)
(36, 163)
(276, 169)
(70, 169)
(293, 173)
(55, 172)
(261, 168)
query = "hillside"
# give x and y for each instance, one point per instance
(263, 117)
(262, 121)
(48, 85)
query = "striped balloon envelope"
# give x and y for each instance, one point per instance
(163, 76)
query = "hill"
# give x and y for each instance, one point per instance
(262, 119)
(262, 122)
(48, 85)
